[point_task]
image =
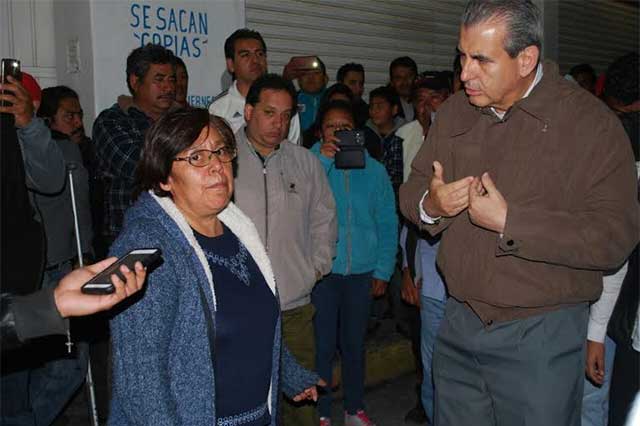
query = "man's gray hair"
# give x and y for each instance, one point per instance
(522, 18)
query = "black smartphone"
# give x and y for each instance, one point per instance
(101, 283)
(351, 154)
(9, 67)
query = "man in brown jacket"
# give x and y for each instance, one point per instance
(533, 180)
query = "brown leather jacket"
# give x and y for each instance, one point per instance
(563, 163)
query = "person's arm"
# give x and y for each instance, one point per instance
(323, 228)
(44, 164)
(43, 312)
(141, 337)
(117, 145)
(602, 228)
(424, 183)
(295, 378)
(386, 221)
(599, 314)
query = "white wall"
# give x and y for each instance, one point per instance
(26, 34)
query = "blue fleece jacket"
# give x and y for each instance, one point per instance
(162, 358)
(367, 219)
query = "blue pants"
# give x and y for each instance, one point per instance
(431, 314)
(595, 400)
(342, 305)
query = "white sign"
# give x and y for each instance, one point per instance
(194, 30)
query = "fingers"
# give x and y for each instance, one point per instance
(488, 184)
(98, 267)
(438, 171)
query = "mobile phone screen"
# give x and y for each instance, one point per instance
(101, 283)
(11, 67)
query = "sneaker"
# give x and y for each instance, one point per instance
(358, 419)
(325, 421)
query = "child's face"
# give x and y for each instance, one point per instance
(312, 81)
(381, 111)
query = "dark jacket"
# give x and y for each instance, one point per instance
(27, 317)
(564, 165)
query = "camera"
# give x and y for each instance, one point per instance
(351, 154)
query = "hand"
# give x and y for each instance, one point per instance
(22, 104)
(310, 393)
(291, 71)
(487, 207)
(329, 149)
(595, 362)
(378, 287)
(446, 199)
(71, 302)
(409, 292)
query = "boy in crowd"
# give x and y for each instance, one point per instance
(380, 133)
(312, 85)
(402, 74)
(352, 75)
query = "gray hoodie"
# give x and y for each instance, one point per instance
(291, 203)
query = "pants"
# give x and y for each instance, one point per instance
(625, 383)
(513, 373)
(431, 314)
(298, 335)
(342, 303)
(595, 402)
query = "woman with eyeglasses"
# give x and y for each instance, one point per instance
(202, 345)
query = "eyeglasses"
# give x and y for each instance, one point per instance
(202, 157)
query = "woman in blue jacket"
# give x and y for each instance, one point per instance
(202, 345)
(366, 255)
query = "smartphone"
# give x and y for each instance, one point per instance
(9, 67)
(101, 283)
(351, 154)
(305, 63)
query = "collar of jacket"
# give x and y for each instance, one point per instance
(241, 137)
(539, 103)
(397, 123)
(237, 222)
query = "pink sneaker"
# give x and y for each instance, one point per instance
(358, 419)
(325, 421)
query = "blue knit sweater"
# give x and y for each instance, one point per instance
(162, 360)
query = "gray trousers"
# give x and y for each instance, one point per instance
(527, 372)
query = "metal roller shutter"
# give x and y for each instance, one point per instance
(596, 32)
(369, 32)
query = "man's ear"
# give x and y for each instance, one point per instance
(394, 110)
(528, 60)
(248, 112)
(230, 66)
(134, 82)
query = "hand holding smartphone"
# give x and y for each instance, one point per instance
(9, 68)
(298, 65)
(101, 283)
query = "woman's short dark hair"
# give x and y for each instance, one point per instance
(339, 105)
(51, 97)
(169, 136)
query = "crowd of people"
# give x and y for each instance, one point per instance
(499, 197)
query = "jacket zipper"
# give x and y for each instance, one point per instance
(346, 188)
(266, 206)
